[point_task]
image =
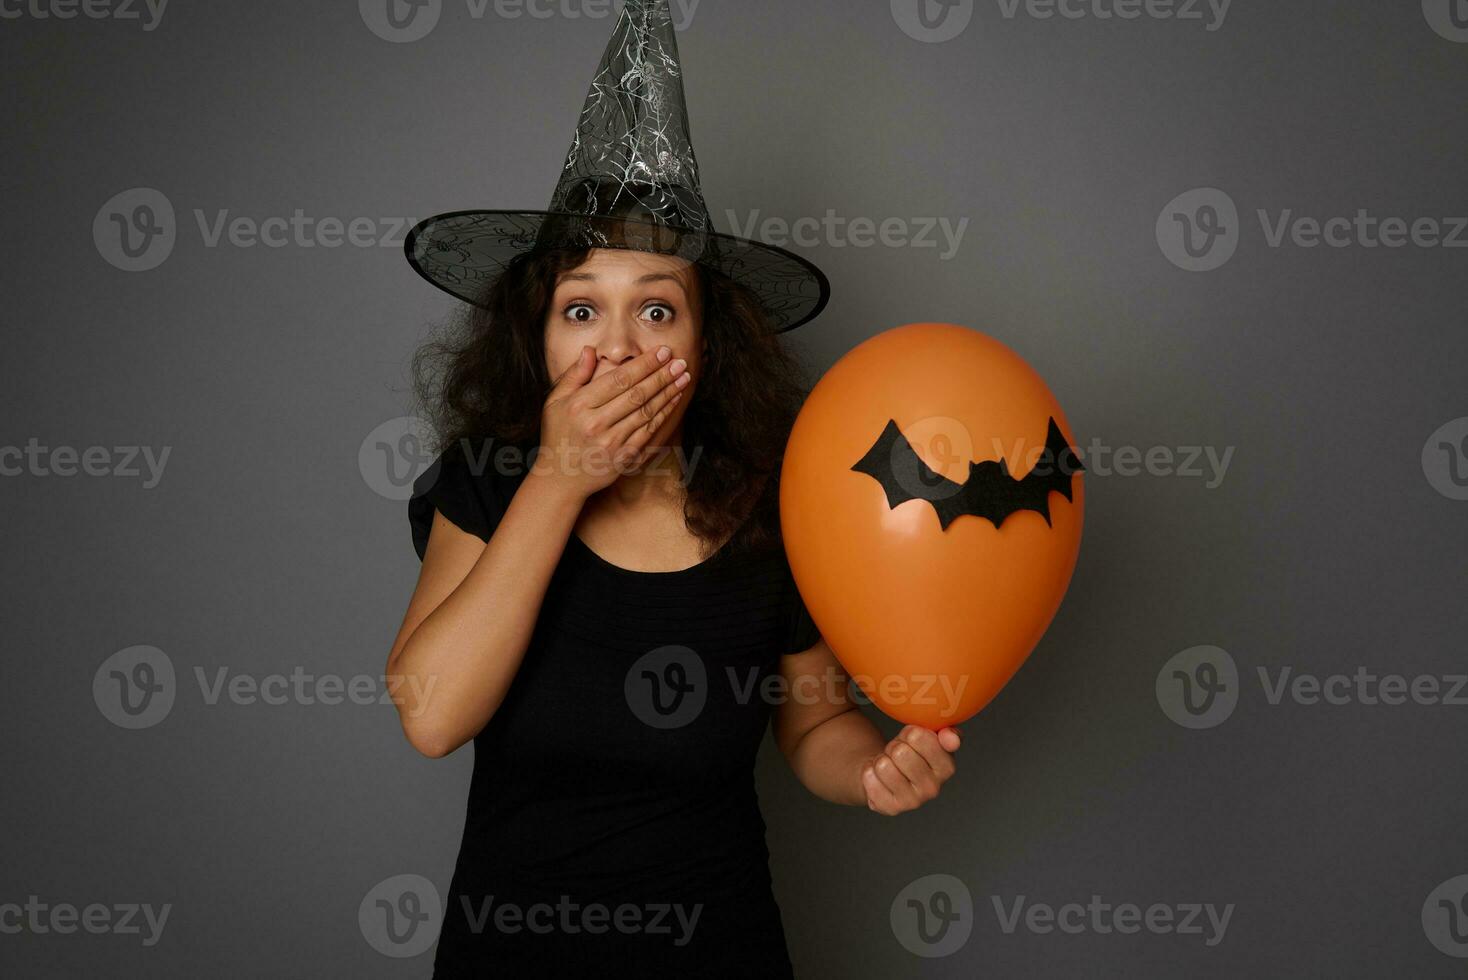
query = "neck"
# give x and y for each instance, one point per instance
(659, 482)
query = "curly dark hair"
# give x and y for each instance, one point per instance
(485, 377)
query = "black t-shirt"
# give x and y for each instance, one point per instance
(612, 821)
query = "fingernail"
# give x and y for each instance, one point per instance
(683, 380)
(664, 353)
(678, 367)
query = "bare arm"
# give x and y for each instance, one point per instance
(474, 609)
(839, 755)
(471, 616)
(823, 735)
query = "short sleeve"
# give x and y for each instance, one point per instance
(463, 486)
(804, 632)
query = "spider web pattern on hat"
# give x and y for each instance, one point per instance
(630, 180)
(633, 132)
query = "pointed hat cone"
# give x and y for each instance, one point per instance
(630, 180)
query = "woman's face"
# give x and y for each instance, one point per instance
(625, 303)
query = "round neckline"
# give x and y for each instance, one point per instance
(635, 573)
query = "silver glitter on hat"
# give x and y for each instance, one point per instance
(630, 180)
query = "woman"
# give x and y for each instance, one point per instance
(604, 607)
(543, 586)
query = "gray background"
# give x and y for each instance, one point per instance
(264, 549)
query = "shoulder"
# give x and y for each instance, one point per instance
(801, 631)
(764, 569)
(460, 469)
(470, 483)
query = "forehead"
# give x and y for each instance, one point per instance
(621, 265)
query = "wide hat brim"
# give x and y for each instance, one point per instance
(465, 252)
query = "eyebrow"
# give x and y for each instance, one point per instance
(650, 277)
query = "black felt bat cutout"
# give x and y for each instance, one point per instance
(991, 491)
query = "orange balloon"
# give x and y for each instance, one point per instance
(931, 621)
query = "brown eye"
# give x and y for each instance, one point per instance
(579, 313)
(659, 312)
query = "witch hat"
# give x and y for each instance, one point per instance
(630, 181)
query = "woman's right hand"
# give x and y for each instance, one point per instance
(593, 430)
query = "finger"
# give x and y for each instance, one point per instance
(896, 782)
(640, 443)
(652, 396)
(929, 745)
(578, 373)
(911, 763)
(951, 739)
(636, 401)
(621, 379)
(879, 797)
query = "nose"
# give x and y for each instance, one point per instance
(618, 341)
